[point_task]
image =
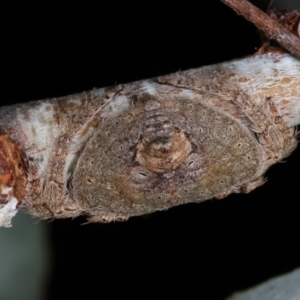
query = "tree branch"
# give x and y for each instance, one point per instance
(137, 148)
(269, 26)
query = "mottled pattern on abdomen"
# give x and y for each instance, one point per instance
(109, 177)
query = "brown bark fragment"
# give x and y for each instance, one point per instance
(12, 170)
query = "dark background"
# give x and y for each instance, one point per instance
(207, 250)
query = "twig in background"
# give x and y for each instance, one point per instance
(271, 27)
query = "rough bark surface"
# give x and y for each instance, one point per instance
(134, 149)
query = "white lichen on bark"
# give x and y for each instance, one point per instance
(134, 149)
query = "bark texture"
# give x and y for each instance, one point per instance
(134, 149)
